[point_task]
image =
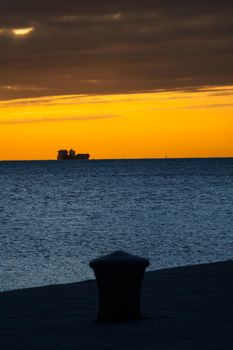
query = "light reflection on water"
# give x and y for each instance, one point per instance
(56, 216)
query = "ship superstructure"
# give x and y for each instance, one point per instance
(64, 154)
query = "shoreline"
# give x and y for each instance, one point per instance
(187, 307)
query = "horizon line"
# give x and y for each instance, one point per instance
(109, 159)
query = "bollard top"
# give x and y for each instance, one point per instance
(119, 258)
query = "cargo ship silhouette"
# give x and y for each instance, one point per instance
(63, 154)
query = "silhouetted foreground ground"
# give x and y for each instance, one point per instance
(185, 308)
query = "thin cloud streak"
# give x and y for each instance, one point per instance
(49, 120)
(207, 106)
(76, 100)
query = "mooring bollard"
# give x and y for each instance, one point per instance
(119, 279)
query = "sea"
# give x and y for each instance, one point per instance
(56, 216)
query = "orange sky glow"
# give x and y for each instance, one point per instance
(140, 125)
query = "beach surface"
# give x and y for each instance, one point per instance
(184, 308)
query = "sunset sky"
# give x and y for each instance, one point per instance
(117, 79)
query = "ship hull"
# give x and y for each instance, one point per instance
(76, 157)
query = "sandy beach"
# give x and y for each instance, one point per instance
(184, 308)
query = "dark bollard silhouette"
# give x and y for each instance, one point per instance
(119, 279)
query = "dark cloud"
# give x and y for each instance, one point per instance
(114, 46)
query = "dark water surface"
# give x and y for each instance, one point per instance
(56, 216)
